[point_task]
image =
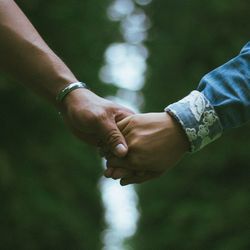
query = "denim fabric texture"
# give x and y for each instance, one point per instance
(198, 119)
(221, 102)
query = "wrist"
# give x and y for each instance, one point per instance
(55, 85)
(73, 99)
(181, 138)
(69, 94)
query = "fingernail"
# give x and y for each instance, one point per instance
(120, 150)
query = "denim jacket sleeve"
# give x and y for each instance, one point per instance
(221, 102)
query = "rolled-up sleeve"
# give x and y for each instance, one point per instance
(221, 102)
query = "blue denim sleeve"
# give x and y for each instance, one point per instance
(221, 102)
(228, 90)
(198, 118)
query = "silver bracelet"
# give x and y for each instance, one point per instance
(76, 85)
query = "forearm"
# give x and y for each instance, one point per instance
(228, 90)
(26, 56)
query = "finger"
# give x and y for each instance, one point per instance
(123, 123)
(128, 162)
(135, 180)
(140, 173)
(114, 162)
(122, 114)
(108, 172)
(119, 173)
(138, 179)
(114, 140)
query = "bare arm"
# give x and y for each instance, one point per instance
(25, 55)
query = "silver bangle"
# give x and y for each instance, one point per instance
(76, 85)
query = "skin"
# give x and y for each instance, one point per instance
(94, 120)
(156, 143)
(26, 56)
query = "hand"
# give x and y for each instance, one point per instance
(156, 142)
(94, 120)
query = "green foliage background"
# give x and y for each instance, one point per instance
(48, 180)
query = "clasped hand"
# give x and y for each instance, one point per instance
(156, 142)
(138, 147)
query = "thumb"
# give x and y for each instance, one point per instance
(115, 141)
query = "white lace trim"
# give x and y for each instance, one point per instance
(198, 118)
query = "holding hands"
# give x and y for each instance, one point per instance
(156, 142)
(94, 120)
(137, 147)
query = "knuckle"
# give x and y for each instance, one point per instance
(133, 121)
(113, 137)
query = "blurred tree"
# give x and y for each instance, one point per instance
(48, 179)
(203, 203)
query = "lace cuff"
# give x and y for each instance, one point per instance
(198, 119)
